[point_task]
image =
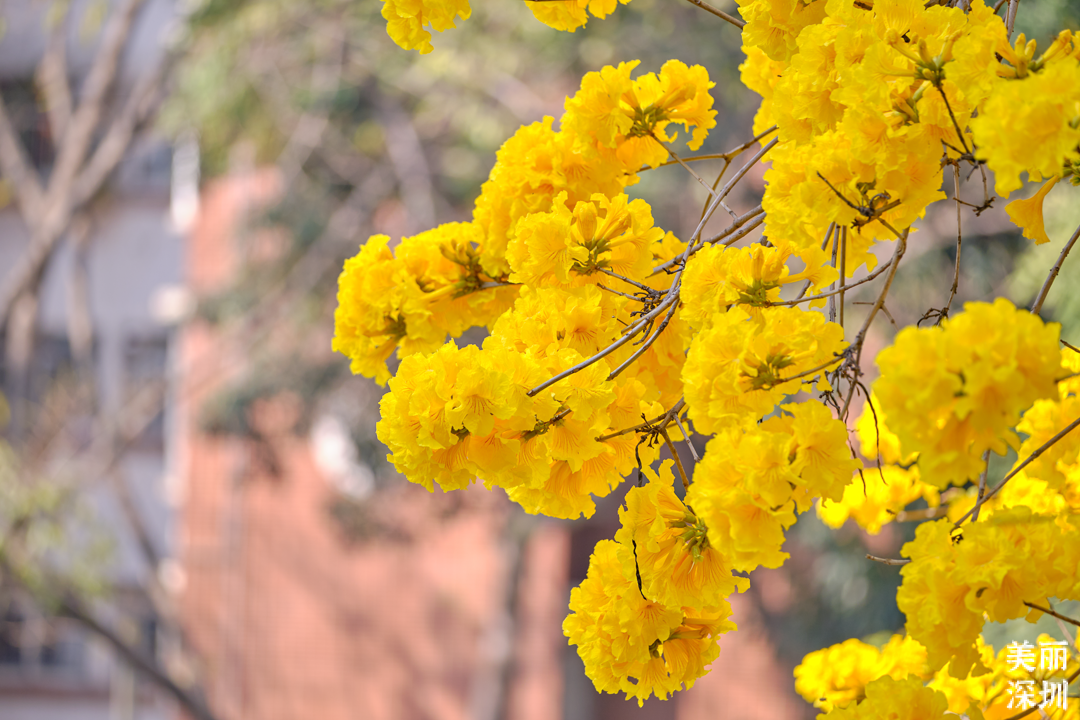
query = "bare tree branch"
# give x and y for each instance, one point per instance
(146, 665)
(53, 80)
(48, 213)
(18, 170)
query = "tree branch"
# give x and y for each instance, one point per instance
(1036, 307)
(53, 80)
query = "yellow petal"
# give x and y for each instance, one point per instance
(1028, 214)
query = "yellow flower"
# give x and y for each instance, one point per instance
(953, 580)
(1031, 125)
(1028, 214)
(752, 480)
(906, 699)
(774, 25)
(955, 391)
(631, 117)
(406, 20)
(837, 676)
(633, 644)
(664, 542)
(874, 498)
(570, 14)
(739, 368)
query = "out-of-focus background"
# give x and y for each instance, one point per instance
(196, 518)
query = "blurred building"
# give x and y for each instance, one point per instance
(122, 256)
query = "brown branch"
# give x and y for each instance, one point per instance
(664, 420)
(75, 144)
(888, 561)
(1053, 613)
(48, 213)
(71, 606)
(872, 276)
(645, 345)
(1043, 448)
(53, 80)
(718, 13)
(1036, 307)
(923, 514)
(17, 168)
(678, 460)
(901, 247)
(686, 436)
(139, 107)
(982, 487)
(148, 666)
(959, 240)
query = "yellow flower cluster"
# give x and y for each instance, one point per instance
(839, 676)
(606, 333)
(410, 301)
(1059, 466)
(954, 391)
(406, 20)
(906, 699)
(866, 114)
(673, 553)
(955, 577)
(740, 366)
(751, 276)
(874, 498)
(754, 478)
(631, 643)
(571, 14)
(614, 112)
(1031, 119)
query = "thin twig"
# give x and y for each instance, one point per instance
(627, 280)
(959, 132)
(843, 271)
(630, 332)
(901, 247)
(888, 561)
(811, 371)
(664, 420)
(835, 253)
(1043, 448)
(686, 435)
(1052, 613)
(730, 185)
(923, 514)
(1010, 18)
(616, 292)
(959, 239)
(1036, 307)
(725, 233)
(718, 13)
(872, 276)
(678, 460)
(982, 487)
(679, 160)
(645, 345)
